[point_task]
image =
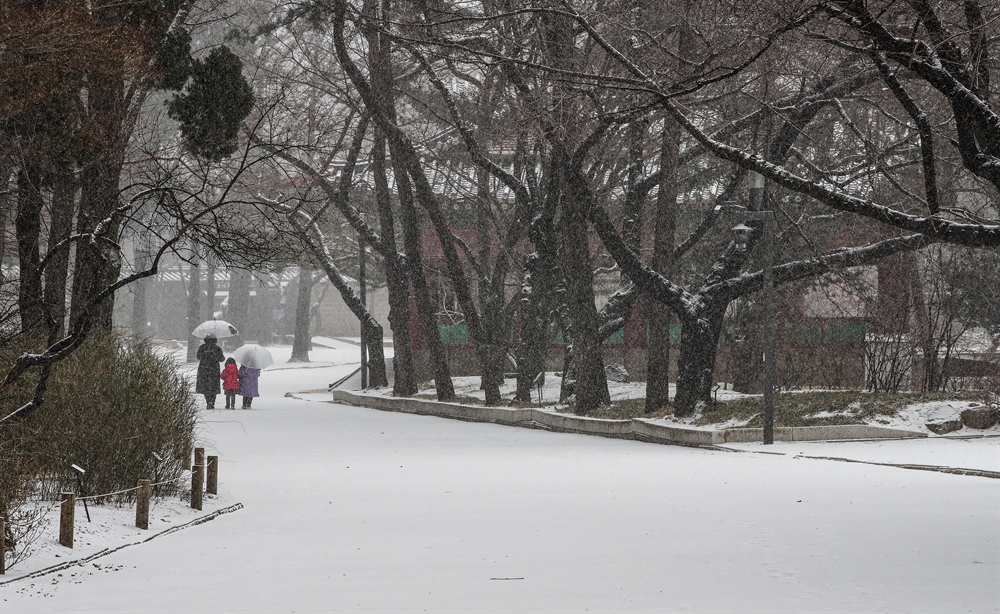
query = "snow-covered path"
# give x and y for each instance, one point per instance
(355, 510)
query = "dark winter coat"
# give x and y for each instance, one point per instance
(230, 377)
(248, 381)
(209, 357)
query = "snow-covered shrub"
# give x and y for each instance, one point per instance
(112, 407)
(22, 510)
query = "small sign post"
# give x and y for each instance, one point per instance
(79, 482)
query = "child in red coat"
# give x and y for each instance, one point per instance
(230, 382)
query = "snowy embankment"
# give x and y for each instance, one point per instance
(911, 418)
(354, 510)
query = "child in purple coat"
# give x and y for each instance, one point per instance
(248, 384)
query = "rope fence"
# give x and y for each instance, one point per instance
(125, 490)
(196, 472)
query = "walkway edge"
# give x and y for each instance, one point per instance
(640, 429)
(101, 553)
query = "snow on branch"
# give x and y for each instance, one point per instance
(811, 267)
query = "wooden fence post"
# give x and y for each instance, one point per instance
(3, 550)
(67, 509)
(197, 485)
(212, 479)
(198, 478)
(142, 505)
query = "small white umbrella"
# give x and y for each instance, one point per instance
(253, 356)
(220, 329)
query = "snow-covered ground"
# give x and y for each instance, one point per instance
(912, 418)
(355, 510)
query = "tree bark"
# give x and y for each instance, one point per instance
(538, 298)
(98, 264)
(371, 331)
(443, 386)
(193, 305)
(380, 60)
(665, 230)
(6, 207)
(591, 385)
(696, 364)
(238, 313)
(404, 381)
(303, 299)
(210, 288)
(140, 298)
(493, 354)
(57, 270)
(28, 226)
(542, 291)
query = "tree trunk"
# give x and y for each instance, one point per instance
(567, 388)
(537, 297)
(193, 306)
(238, 313)
(210, 288)
(28, 226)
(404, 382)
(404, 158)
(542, 291)
(57, 270)
(492, 349)
(443, 385)
(140, 298)
(493, 352)
(696, 364)
(98, 265)
(6, 206)
(381, 72)
(588, 364)
(371, 329)
(665, 228)
(301, 342)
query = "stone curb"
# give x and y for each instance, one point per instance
(638, 428)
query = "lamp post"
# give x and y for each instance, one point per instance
(741, 237)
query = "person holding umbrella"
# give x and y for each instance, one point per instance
(248, 384)
(252, 359)
(209, 357)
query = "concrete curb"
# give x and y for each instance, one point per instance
(638, 428)
(821, 433)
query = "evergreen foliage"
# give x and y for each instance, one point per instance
(213, 104)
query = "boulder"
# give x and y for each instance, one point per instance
(980, 417)
(944, 426)
(616, 373)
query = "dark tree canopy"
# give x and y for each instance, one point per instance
(213, 104)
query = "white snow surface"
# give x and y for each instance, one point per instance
(912, 418)
(355, 510)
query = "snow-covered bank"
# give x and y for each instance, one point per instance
(355, 510)
(914, 417)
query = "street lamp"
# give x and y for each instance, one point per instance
(741, 238)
